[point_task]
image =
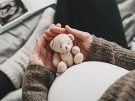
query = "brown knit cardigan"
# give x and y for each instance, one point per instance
(38, 80)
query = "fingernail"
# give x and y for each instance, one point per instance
(66, 26)
(58, 25)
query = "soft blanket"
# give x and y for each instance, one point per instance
(127, 11)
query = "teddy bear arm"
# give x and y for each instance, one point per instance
(56, 59)
(75, 50)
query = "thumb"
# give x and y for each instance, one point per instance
(38, 45)
(43, 51)
(58, 25)
(40, 42)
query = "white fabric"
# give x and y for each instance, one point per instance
(13, 39)
(14, 96)
(85, 82)
(15, 66)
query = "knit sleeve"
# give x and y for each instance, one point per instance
(105, 51)
(36, 83)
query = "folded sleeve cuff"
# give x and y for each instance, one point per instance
(41, 74)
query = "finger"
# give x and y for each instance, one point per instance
(58, 25)
(79, 34)
(41, 42)
(47, 38)
(43, 51)
(38, 45)
(52, 25)
(48, 33)
(53, 33)
(57, 30)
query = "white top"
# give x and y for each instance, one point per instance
(85, 82)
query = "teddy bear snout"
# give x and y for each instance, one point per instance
(67, 48)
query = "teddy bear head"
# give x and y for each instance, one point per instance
(62, 43)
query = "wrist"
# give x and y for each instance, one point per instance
(35, 60)
(40, 63)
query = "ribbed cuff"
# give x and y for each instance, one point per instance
(101, 50)
(43, 74)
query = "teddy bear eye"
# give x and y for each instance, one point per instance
(60, 46)
(68, 44)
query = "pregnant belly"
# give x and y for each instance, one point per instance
(85, 82)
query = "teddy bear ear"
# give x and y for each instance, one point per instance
(71, 36)
(51, 44)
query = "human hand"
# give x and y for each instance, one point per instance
(53, 31)
(82, 39)
(42, 54)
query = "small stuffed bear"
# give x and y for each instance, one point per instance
(65, 54)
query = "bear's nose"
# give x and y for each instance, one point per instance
(66, 47)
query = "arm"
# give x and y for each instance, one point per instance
(36, 83)
(105, 51)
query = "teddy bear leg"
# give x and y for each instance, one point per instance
(61, 67)
(78, 58)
